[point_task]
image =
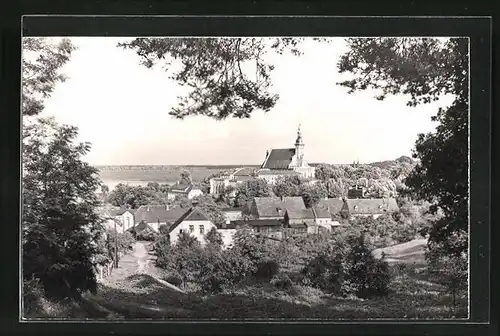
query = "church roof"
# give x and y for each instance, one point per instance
(278, 172)
(279, 158)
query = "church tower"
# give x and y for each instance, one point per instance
(299, 148)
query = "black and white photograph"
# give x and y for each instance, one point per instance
(255, 177)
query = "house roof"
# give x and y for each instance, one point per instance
(321, 212)
(245, 171)
(371, 206)
(257, 222)
(300, 214)
(279, 158)
(121, 211)
(332, 205)
(270, 206)
(193, 214)
(181, 187)
(158, 212)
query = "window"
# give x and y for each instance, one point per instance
(202, 229)
(191, 228)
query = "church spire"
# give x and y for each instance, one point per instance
(299, 137)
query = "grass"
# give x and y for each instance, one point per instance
(412, 296)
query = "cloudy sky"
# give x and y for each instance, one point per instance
(122, 107)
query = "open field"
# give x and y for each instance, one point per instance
(412, 252)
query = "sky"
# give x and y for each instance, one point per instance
(121, 108)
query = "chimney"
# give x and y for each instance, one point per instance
(147, 209)
(167, 206)
(282, 198)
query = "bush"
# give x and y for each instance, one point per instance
(173, 279)
(281, 281)
(267, 269)
(32, 296)
(146, 235)
(324, 272)
(366, 276)
(164, 229)
(348, 271)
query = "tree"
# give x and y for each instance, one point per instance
(228, 77)
(124, 242)
(248, 190)
(450, 269)
(42, 61)
(186, 177)
(425, 69)
(214, 237)
(212, 209)
(288, 186)
(154, 186)
(59, 221)
(312, 193)
(104, 190)
(124, 195)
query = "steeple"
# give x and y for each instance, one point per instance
(299, 148)
(299, 141)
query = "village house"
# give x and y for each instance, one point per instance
(195, 222)
(232, 214)
(286, 161)
(267, 227)
(374, 207)
(333, 206)
(156, 215)
(219, 184)
(122, 219)
(299, 222)
(183, 190)
(274, 207)
(323, 218)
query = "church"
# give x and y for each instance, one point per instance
(286, 161)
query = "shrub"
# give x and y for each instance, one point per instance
(325, 272)
(348, 271)
(267, 269)
(281, 281)
(173, 279)
(32, 297)
(146, 235)
(164, 229)
(214, 237)
(366, 276)
(220, 270)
